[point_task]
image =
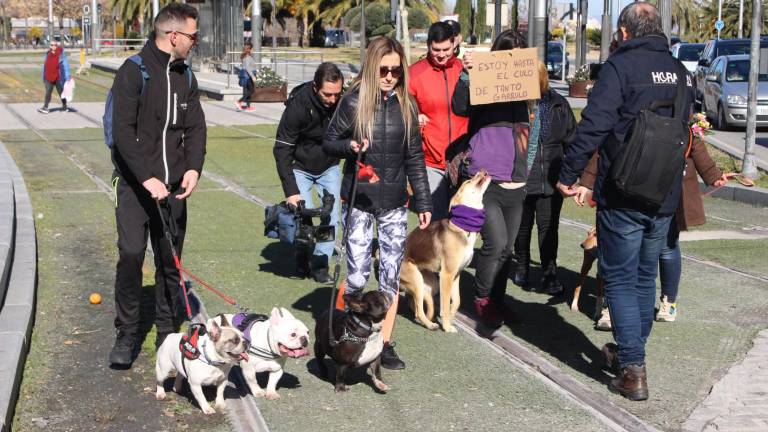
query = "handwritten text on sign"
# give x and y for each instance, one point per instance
(504, 76)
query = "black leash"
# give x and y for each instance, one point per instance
(343, 251)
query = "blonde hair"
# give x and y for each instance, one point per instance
(543, 77)
(367, 82)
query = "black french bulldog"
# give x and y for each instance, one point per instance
(356, 335)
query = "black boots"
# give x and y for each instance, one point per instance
(389, 358)
(319, 269)
(122, 351)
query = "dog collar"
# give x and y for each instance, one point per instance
(364, 326)
(347, 337)
(207, 360)
(467, 218)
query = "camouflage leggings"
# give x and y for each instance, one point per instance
(392, 229)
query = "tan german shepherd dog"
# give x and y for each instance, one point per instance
(436, 255)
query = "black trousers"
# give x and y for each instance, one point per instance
(247, 92)
(49, 90)
(503, 209)
(545, 209)
(137, 220)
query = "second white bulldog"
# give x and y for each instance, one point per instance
(272, 341)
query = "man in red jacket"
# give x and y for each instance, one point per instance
(431, 82)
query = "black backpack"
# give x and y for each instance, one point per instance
(652, 157)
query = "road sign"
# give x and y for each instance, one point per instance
(719, 25)
(86, 20)
(86, 9)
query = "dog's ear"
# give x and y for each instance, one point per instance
(285, 313)
(214, 331)
(275, 316)
(224, 322)
(354, 303)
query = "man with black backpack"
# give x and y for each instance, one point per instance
(637, 119)
(301, 162)
(156, 129)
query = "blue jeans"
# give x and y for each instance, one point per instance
(329, 180)
(670, 264)
(630, 245)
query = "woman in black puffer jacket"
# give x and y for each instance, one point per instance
(378, 117)
(542, 201)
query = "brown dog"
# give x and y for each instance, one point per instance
(590, 255)
(436, 255)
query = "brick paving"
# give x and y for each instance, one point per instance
(739, 401)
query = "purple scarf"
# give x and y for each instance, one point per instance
(467, 218)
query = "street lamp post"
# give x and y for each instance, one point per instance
(748, 168)
(605, 40)
(50, 19)
(256, 29)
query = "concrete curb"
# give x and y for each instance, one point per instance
(736, 192)
(18, 308)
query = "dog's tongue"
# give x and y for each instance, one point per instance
(244, 356)
(294, 353)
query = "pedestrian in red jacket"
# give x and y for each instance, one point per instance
(431, 83)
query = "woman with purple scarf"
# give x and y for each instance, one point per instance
(495, 145)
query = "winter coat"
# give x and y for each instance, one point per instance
(393, 155)
(64, 73)
(690, 210)
(299, 139)
(549, 156)
(159, 131)
(432, 87)
(638, 73)
(493, 132)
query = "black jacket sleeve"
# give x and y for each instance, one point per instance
(126, 92)
(195, 132)
(415, 169)
(338, 136)
(460, 102)
(285, 146)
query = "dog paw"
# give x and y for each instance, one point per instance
(432, 326)
(258, 393)
(272, 395)
(208, 410)
(380, 385)
(450, 328)
(340, 389)
(575, 307)
(160, 395)
(221, 405)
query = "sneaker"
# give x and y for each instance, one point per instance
(250, 108)
(667, 311)
(43, 110)
(389, 358)
(238, 106)
(122, 351)
(487, 312)
(520, 277)
(65, 109)
(604, 323)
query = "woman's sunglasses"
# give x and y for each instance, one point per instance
(396, 71)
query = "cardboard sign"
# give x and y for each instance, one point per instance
(504, 76)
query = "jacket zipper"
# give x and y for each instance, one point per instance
(167, 116)
(175, 103)
(448, 99)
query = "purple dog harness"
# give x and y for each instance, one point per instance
(244, 322)
(467, 218)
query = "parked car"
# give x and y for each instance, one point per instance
(335, 37)
(725, 92)
(689, 54)
(714, 49)
(555, 60)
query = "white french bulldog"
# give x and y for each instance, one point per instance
(220, 348)
(271, 342)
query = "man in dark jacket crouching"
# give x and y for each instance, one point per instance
(301, 162)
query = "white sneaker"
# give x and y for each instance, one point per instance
(667, 311)
(604, 323)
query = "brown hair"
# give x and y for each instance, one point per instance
(543, 77)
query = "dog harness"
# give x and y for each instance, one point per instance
(467, 218)
(348, 337)
(244, 322)
(204, 358)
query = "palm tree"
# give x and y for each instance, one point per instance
(730, 15)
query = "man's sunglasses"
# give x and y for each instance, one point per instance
(396, 71)
(192, 36)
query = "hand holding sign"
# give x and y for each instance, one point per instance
(504, 76)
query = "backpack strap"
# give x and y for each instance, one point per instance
(144, 74)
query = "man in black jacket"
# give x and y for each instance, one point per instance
(631, 234)
(301, 162)
(160, 134)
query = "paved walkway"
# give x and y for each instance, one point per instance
(739, 401)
